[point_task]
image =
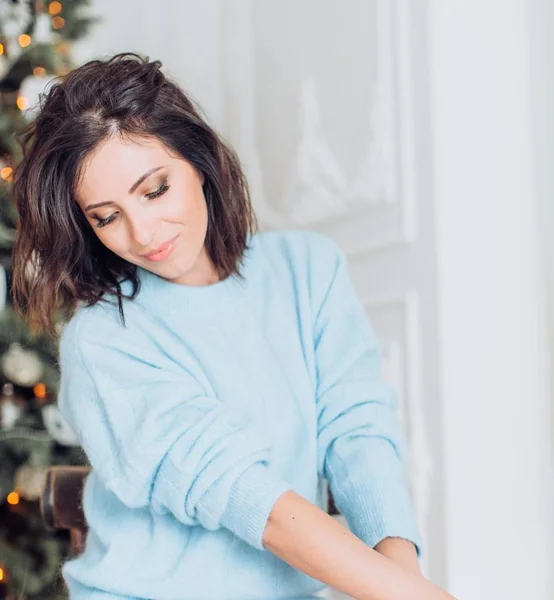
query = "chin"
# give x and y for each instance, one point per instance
(169, 271)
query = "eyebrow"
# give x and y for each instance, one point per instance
(131, 189)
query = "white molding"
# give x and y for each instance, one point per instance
(405, 111)
(395, 96)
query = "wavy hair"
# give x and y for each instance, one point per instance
(58, 261)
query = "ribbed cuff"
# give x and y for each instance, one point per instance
(251, 500)
(379, 509)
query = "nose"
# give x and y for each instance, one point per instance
(142, 229)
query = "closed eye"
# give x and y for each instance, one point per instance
(160, 191)
(104, 222)
(151, 196)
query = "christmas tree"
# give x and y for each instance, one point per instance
(35, 46)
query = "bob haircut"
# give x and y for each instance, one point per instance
(58, 262)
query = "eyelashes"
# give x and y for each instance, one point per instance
(160, 191)
(151, 196)
(104, 222)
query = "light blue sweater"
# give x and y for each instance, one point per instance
(211, 403)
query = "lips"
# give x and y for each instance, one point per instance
(162, 251)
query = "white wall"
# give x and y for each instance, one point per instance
(184, 35)
(496, 404)
(543, 70)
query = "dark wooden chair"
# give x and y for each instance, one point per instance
(61, 503)
(62, 508)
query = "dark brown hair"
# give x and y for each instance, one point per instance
(58, 260)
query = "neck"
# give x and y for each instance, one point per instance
(203, 272)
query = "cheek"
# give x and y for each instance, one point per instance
(192, 211)
(113, 238)
(198, 211)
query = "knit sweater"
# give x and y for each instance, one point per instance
(207, 404)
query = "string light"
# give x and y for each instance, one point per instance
(6, 173)
(24, 40)
(58, 22)
(2, 574)
(62, 47)
(22, 102)
(13, 498)
(40, 391)
(54, 8)
(39, 71)
(1, 49)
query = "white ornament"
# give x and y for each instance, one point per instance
(10, 411)
(22, 366)
(14, 49)
(29, 481)
(43, 31)
(15, 17)
(58, 427)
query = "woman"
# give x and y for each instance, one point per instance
(213, 375)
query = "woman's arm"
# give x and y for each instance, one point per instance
(154, 436)
(311, 541)
(402, 552)
(361, 445)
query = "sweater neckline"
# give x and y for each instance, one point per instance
(164, 296)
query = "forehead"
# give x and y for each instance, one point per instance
(116, 164)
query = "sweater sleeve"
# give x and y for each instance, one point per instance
(360, 445)
(157, 439)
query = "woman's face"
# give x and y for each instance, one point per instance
(148, 206)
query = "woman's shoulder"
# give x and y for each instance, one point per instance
(102, 321)
(309, 257)
(304, 248)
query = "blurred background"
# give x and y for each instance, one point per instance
(420, 136)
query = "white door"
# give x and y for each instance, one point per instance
(325, 108)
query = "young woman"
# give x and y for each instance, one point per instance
(214, 375)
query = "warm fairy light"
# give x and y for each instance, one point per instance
(13, 498)
(2, 574)
(58, 22)
(6, 173)
(39, 71)
(22, 102)
(24, 40)
(54, 8)
(62, 47)
(1, 49)
(40, 391)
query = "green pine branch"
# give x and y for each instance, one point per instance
(31, 555)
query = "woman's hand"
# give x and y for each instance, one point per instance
(308, 539)
(400, 551)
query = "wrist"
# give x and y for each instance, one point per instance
(401, 551)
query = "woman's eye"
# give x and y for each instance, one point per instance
(155, 194)
(159, 192)
(106, 221)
